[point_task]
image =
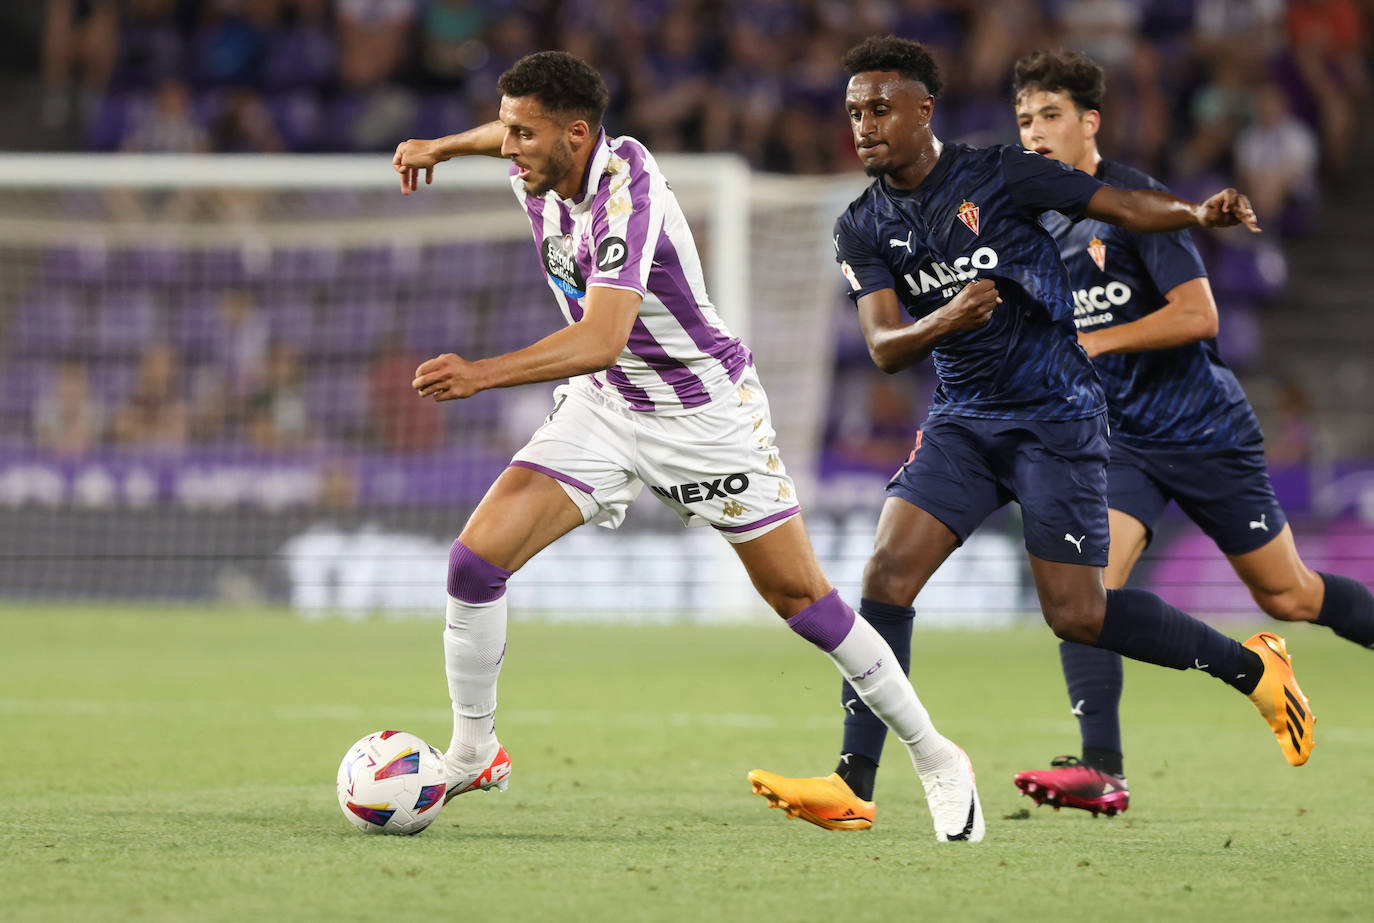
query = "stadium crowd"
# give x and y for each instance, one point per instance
(1262, 90)
(1261, 94)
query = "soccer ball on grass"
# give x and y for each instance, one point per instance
(391, 782)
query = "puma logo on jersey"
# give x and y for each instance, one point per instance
(1261, 524)
(1075, 542)
(1077, 709)
(893, 243)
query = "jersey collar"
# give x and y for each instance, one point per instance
(595, 167)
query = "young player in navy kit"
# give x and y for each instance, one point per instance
(945, 257)
(1181, 427)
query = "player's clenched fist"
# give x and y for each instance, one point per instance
(446, 378)
(413, 156)
(973, 306)
(1225, 209)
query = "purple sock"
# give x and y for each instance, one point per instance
(825, 622)
(472, 578)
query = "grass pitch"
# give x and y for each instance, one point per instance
(179, 765)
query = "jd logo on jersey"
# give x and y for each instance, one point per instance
(560, 262)
(611, 254)
(705, 490)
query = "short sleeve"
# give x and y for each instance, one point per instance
(863, 269)
(627, 220)
(1170, 259)
(1038, 184)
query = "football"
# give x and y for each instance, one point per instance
(391, 782)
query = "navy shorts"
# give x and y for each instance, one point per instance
(1226, 492)
(964, 468)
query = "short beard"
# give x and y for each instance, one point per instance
(877, 169)
(557, 169)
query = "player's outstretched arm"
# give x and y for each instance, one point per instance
(590, 345)
(1148, 211)
(894, 343)
(1188, 315)
(419, 154)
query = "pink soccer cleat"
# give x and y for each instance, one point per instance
(1070, 784)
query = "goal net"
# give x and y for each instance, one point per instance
(207, 363)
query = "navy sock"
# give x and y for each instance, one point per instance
(859, 773)
(1093, 675)
(1141, 626)
(1347, 609)
(864, 732)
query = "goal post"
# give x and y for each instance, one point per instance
(205, 373)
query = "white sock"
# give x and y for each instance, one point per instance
(869, 665)
(474, 646)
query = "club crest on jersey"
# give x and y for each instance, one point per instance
(1098, 251)
(968, 213)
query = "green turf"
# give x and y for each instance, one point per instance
(177, 765)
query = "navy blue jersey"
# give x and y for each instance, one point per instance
(976, 216)
(1181, 398)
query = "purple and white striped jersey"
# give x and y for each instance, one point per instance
(626, 230)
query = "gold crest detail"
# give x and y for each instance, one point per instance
(733, 508)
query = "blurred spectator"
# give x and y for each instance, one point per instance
(68, 418)
(172, 126)
(1289, 443)
(79, 44)
(400, 419)
(372, 38)
(244, 126)
(277, 417)
(450, 40)
(1276, 162)
(1329, 47)
(230, 42)
(155, 414)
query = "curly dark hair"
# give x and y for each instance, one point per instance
(563, 84)
(890, 53)
(1065, 72)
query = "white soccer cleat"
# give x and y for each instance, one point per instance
(952, 796)
(461, 779)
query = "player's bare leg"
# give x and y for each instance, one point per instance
(1288, 590)
(522, 513)
(786, 573)
(1140, 625)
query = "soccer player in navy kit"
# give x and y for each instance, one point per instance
(945, 257)
(1181, 427)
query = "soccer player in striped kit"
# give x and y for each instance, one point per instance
(1181, 427)
(945, 257)
(660, 393)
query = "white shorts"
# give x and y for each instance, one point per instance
(715, 466)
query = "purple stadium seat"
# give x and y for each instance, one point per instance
(149, 265)
(322, 264)
(124, 322)
(299, 58)
(197, 329)
(438, 325)
(70, 263)
(353, 328)
(341, 408)
(298, 118)
(47, 323)
(291, 321)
